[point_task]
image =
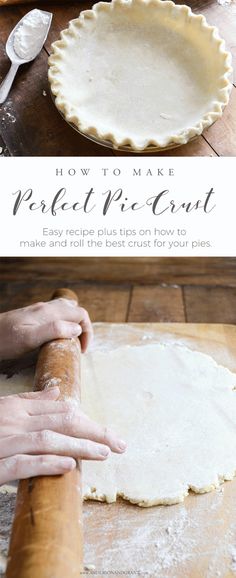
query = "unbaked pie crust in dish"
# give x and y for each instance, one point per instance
(140, 73)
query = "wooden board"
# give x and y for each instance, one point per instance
(22, 134)
(196, 539)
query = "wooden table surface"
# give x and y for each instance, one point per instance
(166, 290)
(194, 539)
(141, 289)
(30, 125)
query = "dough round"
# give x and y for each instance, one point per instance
(140, 73)
(176, 408)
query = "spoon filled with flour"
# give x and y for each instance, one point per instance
(24, 44)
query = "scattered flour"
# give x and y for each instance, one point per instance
(7, 505)
(53, 382)
(225, 2)
(233, 557)
(8, 115)
(148, 549)
(164, 542)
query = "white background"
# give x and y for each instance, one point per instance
(193, 178)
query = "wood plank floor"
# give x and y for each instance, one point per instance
(30, 124)
(121, 289)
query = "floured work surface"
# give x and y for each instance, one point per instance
(196, 538)
(176, 409)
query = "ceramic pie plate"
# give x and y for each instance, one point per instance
(140, 75)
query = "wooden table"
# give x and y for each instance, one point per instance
(141, 289)
(30, 125)
(194, 539)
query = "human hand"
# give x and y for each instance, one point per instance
(42, 436)
(22, 330)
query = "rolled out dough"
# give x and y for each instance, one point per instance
(175, 407)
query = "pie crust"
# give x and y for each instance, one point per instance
(142, 73)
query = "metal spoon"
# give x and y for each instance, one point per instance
(16, 61)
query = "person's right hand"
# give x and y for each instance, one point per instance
(42, 436)
(24, 329)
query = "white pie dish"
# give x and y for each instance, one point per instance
(140, 74)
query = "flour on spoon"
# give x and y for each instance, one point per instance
(30, 34)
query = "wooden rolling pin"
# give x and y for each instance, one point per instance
(46, 539)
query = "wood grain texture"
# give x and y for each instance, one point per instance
(121, 289)
(23, 135)
(222, 136)
(28, 272)
(157, 304)
(105, 303)
(213, 304)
